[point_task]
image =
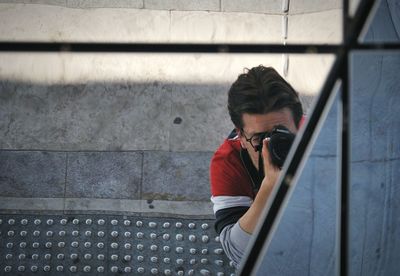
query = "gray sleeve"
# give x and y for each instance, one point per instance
(234, 241)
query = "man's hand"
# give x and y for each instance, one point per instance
(249, 220)
(271, 172)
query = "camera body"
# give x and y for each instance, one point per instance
(281, 139)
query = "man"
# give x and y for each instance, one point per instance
(258, 101)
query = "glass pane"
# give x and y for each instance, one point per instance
(385, 24)
(375, 194)
(121, 136)
(353, 6)
(214, 21)
(305, 240)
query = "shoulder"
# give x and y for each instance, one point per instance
(228, 154)
(227, 174)
(226, 160)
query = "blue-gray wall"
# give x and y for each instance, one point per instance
(305, 242)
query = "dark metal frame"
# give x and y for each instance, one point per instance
(6, 46)
(352, 27)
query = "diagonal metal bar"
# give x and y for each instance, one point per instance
(270, 216)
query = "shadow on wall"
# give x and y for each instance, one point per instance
(114, 116)
(122, 141)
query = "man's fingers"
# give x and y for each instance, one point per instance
(265, 154)
(268, 165)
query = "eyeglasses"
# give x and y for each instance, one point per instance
(256, 139)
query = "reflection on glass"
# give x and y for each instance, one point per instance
(305, 239)
(353, 6)
(384, 25)
(123, 140)
(117, 146)
(375, 198)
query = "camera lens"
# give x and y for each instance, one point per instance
(279, 145)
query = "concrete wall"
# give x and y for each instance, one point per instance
(375, 197)
(172, 21)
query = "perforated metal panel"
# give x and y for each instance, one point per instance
(107, 244)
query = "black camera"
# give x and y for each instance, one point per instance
(281, 139)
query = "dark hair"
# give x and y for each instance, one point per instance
(261, 90)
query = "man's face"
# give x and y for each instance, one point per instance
(258, 123)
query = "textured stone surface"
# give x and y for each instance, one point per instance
(165, 208)
(32, 174)
(56, 23)
(374, 223)
(190, 208)
(104, 175)
(42, 2)
(385, 27)
(18, 204)
(310, 6)
(256, 6)
(321, 27)
(204, 118)
(176, 176)
(138, 4)
(324, 198)
(89, 117)
(189, 21)
(193, 5)
(102, 205)
(135, 4)
(113, 117)
(226, 27)
(375, 116)
(375, 164)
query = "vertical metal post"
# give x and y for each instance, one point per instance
(345, 147)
